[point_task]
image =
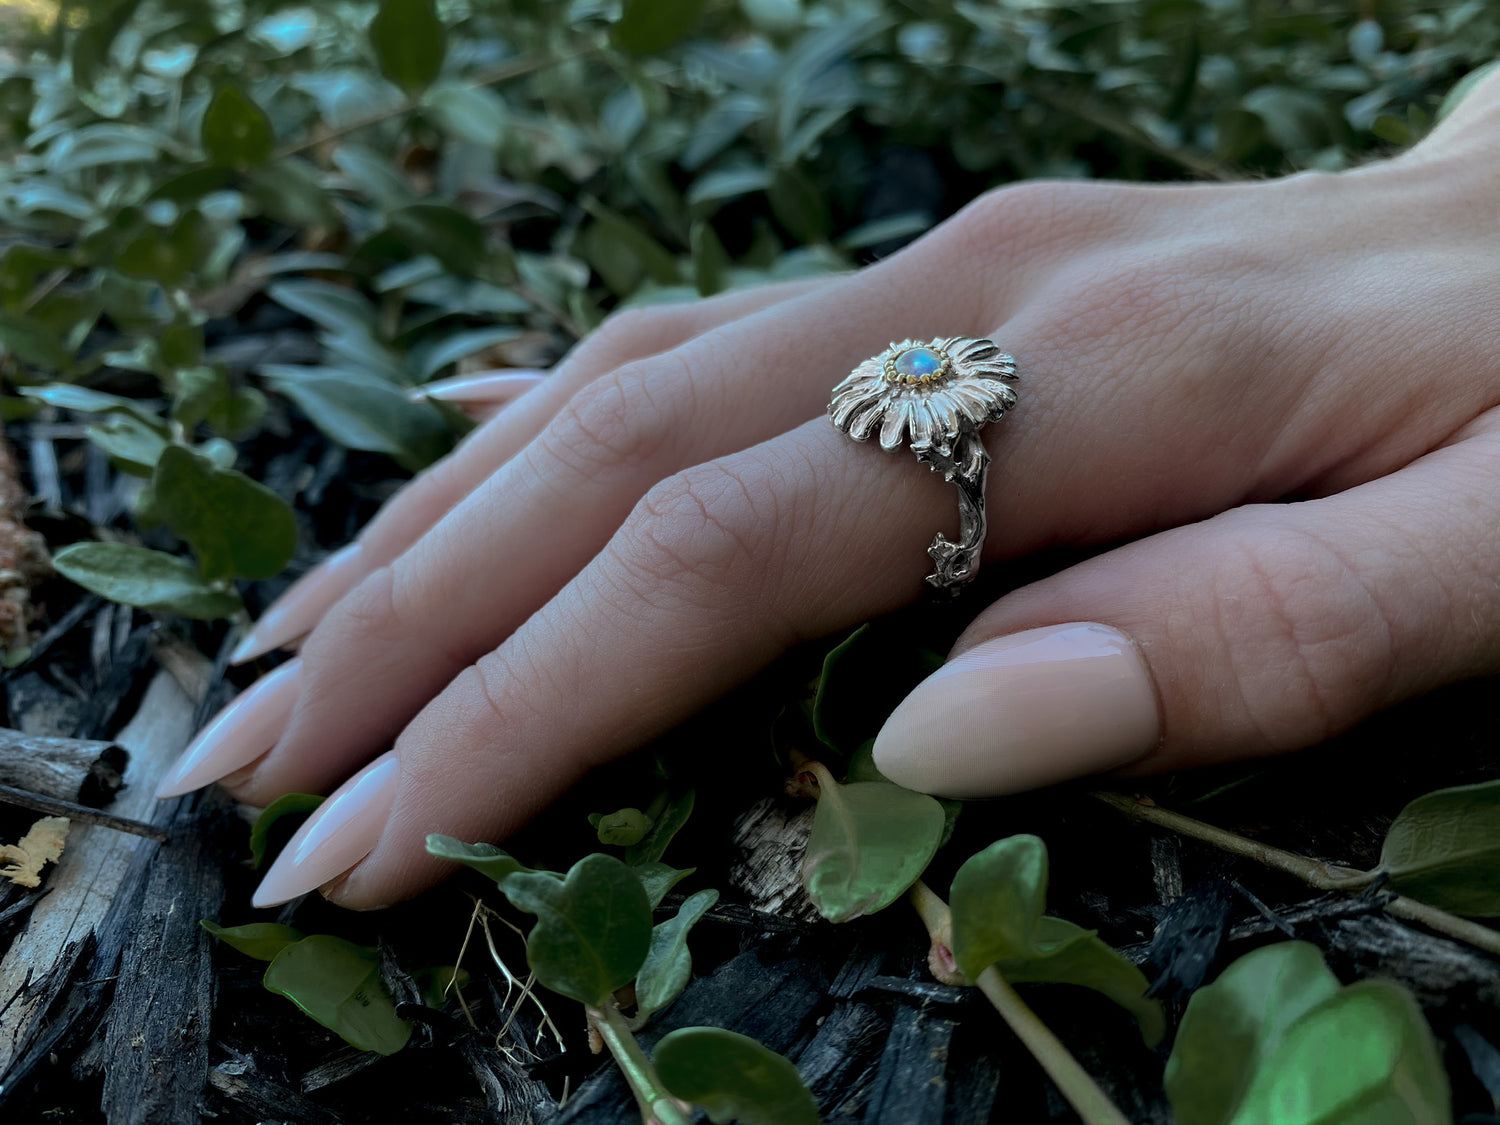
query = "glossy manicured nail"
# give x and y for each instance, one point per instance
(296, 612)
(336, 837)
(1023, 711)
(237, 735)
(490, 387)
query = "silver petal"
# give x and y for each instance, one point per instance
(864, 421)
(844, 407)
(921, 423)
(893, 427)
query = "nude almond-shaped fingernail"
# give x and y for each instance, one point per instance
(295, 613)
(336, 837)
(487, 387)
(237, 735)
(1023, 711)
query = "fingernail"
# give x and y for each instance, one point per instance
(487, 387)
(336, 837)
(296, 612)
(1023, 711)
(237, 735)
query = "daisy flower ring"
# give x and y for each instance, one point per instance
(934, 396)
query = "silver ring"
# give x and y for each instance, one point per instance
(939, 393)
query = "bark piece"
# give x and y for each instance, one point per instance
(61, 931)
(87, 771)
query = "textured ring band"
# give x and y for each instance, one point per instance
(939, 393)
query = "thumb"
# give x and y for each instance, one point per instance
(1268, 628)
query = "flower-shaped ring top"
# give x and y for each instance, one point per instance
(938, 394)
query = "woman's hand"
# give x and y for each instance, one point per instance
(671, 510)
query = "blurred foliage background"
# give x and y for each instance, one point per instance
(439, 187)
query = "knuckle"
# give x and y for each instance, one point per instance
(630, 333)
(694, 534)
(617, 421)
(1307, 634)
(1039, 212)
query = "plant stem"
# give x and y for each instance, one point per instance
(657, 1106)
(1323, 876)
(1316, 874)
(1076, 1084)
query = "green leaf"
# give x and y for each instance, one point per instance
(291, 192)
(469, 113)
(622, 827)
(665, 825)
(715, 187)
(486, 859)
(1232, 1026)
(168, 256)
(659, 263)
(446, 233)
(1364, 1056)
(869, 843)
(237, 527)
(363, 412)
(593, 929)
(69, 396)
(288, 804)
(997, 901)
(658, 879)
(996, 904)
(181, 344)
(733, 1077)
(798, 205)
(1464, 87)
(711, 263)
(261, 940)
(338, 984)
(668, 965)
(236, 132)
(193, 184)
(238, 413)
(436, 981)
(32, 344)
(409, 42)
(145, 579)
(1069, 954)
(1444, 849)
(132, 444)
(648, 27)
(22, 266)
(428, 358)
(336, 308)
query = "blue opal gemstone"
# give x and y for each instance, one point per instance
(914, 363)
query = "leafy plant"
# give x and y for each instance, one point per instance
(334, 981)
(593, 937)
(1277, 1038)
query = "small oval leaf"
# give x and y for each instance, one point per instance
(236, 132)
(593, 929)
(261, 940)
(870, 841)
(338, 984)
(146, 579)
(1444, 849)
(410, 43)
(733, 1077)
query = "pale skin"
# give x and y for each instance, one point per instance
(671, 509)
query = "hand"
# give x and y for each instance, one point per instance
(671, 509)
